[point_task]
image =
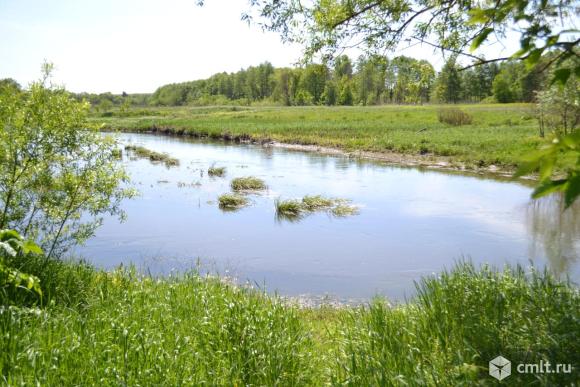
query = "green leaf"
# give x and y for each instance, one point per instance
(479, 39)
(6, 235)
(549, 187)
(572, 190)
(478, 16)
(534, 57)
(7, 249)
(547, 167)
(31, 247)
(526, 168)
(561, 76)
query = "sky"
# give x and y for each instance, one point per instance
(137, 45)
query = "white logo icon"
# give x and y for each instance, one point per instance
(500, 368)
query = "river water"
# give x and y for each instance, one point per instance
(411, 222)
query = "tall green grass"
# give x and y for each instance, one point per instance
(190, 329)
(184, 330)
(458, 322)
(499, 134)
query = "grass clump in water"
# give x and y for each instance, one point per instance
(231, 201)
(296, 209)
(216, 171)
(343, 208)
(248, 183)
(154, 157)
(288, 209)
(317, 202)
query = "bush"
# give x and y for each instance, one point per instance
(454, 116)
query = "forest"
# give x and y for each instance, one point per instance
(370, 80)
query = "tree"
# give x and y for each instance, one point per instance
(313, 82)
(342, 67)
(457, 27)
(10, 83)
(57, 176)
(502, 89)
(345, 96)
(329, 96)
(448, 85)
(547, 31)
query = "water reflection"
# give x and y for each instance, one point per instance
(555, 232)
(412, 223)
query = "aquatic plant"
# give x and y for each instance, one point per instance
(248, 183)
(154, 157)
(288, 208)
(232, 201)
(317, 202)
(216, 171)
(344, 208)
(296, 209)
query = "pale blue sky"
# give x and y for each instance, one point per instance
(136, 45)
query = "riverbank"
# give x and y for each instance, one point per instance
(495, 143)
(122, 328)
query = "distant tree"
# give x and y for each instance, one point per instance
(345, 96)
(503, 88)
(342, 67)
(330, 93)
(313, 81)
(448, 84)
(10, 83)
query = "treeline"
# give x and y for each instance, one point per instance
(370, 80)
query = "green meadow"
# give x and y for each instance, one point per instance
(498, 135)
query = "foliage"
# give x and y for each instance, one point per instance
(449, 87)
(460, 28)
(54, 167)
(558, 107)
(454, 116)
(558, 110)
(545, 160)
(14, 282)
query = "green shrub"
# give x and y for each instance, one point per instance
(454, 116)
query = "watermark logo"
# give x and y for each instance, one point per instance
(500, 368)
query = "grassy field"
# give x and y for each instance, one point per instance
(499, 135)
(119, 328)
